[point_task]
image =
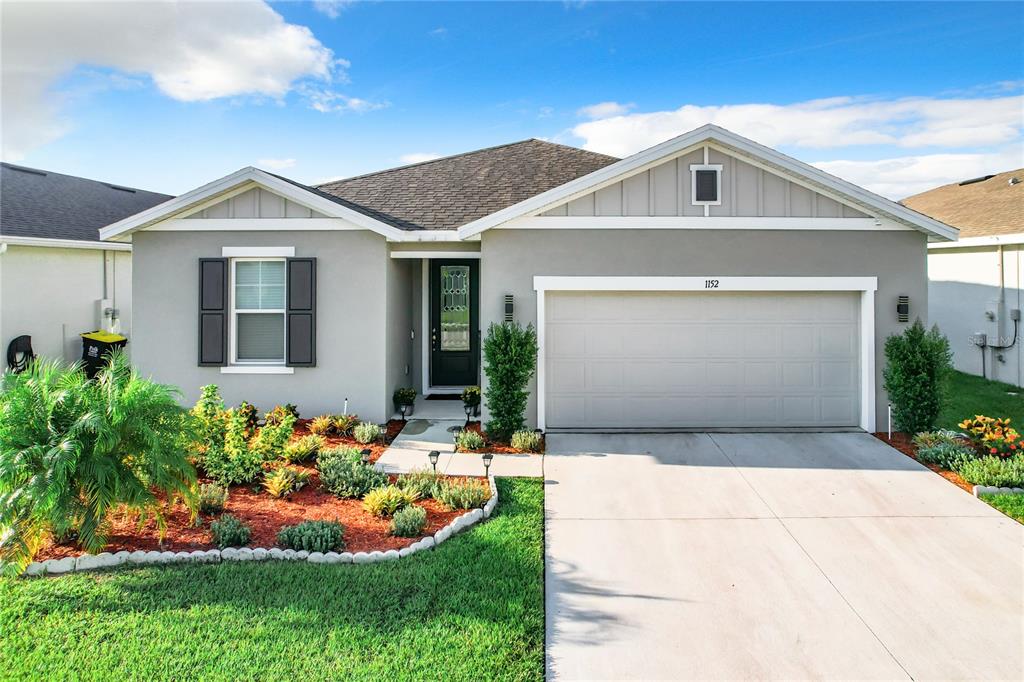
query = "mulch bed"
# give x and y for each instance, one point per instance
(266, 516)
(902, 442)
(377, 448)
(496, 446)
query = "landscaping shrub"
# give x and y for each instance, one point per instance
(366, 432)
(996, 471)
(510, 357)
(918, 363)
(421, 481)
(269, 441)
(463, 494)
(343, 474)
(212, 498)
(322, 425)
(71, 450)
(385, 501)
(409, 522)
(992, 436)
(528, 441)
(283, 481)
(471, 396)
(277, 415)
(313, 536)
(250, 416)
(944, 448)
(303, 449)
(235, 462)
(403, 396)
(211, 422)
(227, 531)
(470, 440)
(344, 423)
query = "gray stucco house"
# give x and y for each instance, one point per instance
(705, 282)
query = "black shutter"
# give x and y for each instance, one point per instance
(301, 312)
(213, 312)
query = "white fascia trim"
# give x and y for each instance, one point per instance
(257, 251)
(257, 369)
(688, 142)
(64, 243)
(975, 242)
(865, 285)
(470, 255)
(697, 223)
(252, 224)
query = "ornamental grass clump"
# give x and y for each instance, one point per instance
(918, 363)
(510, 357)
(409, 522)
(385, 501)
(227, 531)
(527, 441)
(470, 440)
(366, 432)
(212, 498)
(73, 449)
(343, 474)
(313, 536)
(463, 493)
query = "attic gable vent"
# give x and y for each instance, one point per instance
(706, 184)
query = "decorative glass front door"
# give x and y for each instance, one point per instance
(453, 322)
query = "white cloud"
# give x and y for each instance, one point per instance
(604, 110)
(826, 123)
(331, 8)
(418, 157)
(326, 100)
(276, 164)
(191, 51)
(439, 32)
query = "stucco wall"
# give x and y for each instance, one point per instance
(53, 294)
(511, 258)
(963, 286)
(399, 325)
(351, 316)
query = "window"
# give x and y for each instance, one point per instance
(706, 184)
(258, 310)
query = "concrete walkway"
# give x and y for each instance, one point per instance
(409, 451)
(772, 556)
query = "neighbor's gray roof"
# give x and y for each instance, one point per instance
(47, 205)
(445, 193)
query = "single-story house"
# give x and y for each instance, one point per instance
(57, 279)
(975, 284)
(708, 281)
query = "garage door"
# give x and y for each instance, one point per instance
(689, 359)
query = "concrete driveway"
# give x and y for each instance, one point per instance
(772, 556)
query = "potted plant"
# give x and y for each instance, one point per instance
(471, 398)
(404, 398)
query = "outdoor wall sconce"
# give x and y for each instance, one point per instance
(433, 455)
(903, 308)
(487, 463)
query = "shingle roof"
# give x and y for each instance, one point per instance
(445, 193)
(988, 207)
(43, 204)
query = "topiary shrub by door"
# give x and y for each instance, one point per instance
(510, 358)
(918, 362)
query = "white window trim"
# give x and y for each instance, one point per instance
(865, 285)
(261, 366)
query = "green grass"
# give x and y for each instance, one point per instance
(970, 395)
(473, 609)
(1011, 505)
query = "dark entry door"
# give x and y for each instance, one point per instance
(454, 340)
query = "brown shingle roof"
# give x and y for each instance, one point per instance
(446, 193)
(989, 207)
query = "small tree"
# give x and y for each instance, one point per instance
(918, 363)
(510, 358)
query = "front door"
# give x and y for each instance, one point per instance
(454, 339)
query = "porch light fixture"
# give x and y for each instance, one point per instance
(366, 456)
(433, 455)
(487, 463)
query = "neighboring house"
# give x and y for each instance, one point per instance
(57, 279)
(707, 281)
(975, 284)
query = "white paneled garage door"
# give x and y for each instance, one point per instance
(693, 359)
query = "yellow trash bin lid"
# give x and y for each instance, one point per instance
(103, 337)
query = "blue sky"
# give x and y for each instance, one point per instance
(898, 97)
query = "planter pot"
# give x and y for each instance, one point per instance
(408, 410)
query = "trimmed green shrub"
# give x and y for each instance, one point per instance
(944, 448)
(421, 481)
(409, 522)
(313, 536)
(996, 471)
(344, 423)
(303, 449)
(385, 501)
(463, 493)
(366, 432)
(212, 498)
(510, 358)
(918, 362)
(72, 450)
(283, 481)
(227, 531)
(343, 474)
(470, 440)
(527, 441)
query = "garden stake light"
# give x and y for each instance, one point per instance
(366, 456)
(456, 430)
(487, 463)
(469, 412)
(433, 455)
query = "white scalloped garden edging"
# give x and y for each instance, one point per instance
(92, 562)
(993, 490)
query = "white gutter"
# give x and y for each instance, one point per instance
(974, 242)
(64, 243)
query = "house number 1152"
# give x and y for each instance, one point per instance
(711, 284)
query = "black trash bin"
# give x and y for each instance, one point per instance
(96, 346)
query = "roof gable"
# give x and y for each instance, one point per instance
(993, 206)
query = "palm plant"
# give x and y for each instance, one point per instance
(72, 449)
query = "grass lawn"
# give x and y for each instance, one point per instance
(1011, 505)
(473, 609)
(970, 395)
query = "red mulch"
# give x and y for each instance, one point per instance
(376, 448)
(902, 442)
(499, 447)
